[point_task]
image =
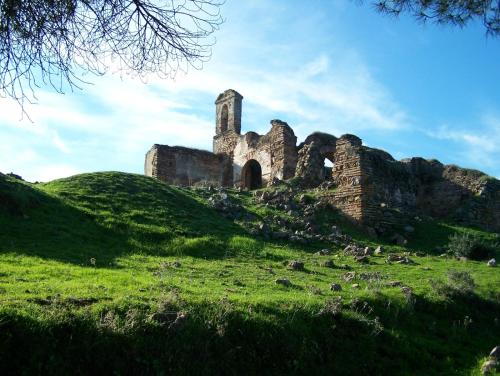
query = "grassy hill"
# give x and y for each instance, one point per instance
(117, 273)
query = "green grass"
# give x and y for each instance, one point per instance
(93, 269)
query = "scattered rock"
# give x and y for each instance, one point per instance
(344, 266)
(297, 239)
(335, 287)
(315, 290)
(328, 264)
(379, 250)
(283, 281)
(264, 228)
(399, 259)
(179, 322)
(395, 283)
(489, 367)
(252, 231)
(362, 259)
(349, 276)
(495, 353)
(368, 251)
(355, 285)
(372, 276)
(323, 252)
(274, 182)
(296, 265)
(492, 262)
(407, 291)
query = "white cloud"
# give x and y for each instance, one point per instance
(479, 146)
(54, 171)
(116, 120)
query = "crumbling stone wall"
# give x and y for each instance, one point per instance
(275, 152)
(282, 142)
(347, 176)
(185, 166)
(311, 158)
(378, 191)
(310, 165)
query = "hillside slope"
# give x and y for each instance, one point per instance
(114, 272)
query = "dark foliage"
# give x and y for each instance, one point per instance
(454, 12)
(53, 41)
(471, 246)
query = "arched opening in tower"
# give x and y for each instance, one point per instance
(224, 117)
(251, 175)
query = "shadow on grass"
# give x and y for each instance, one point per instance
(219, 339)
(105, 215)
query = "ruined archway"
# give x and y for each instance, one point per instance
(251, 175)
(327, 167)
(224, 118)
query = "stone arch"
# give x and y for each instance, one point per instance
(251, 175)
(328, 165)
(224, 118)
(313, 152)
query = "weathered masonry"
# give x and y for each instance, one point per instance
(249, 160)
(369, 186)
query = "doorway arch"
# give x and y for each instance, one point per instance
(251, 175)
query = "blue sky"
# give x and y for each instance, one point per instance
(331, 66)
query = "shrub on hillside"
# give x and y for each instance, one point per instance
(459, 284)
(471, 246)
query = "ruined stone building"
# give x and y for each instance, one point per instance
(370, 187)
(249, 160)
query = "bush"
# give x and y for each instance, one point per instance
(459, 284)
(471, 246)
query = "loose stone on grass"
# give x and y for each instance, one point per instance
(323, 252)
(349, 276)
(492, 262)
(489, 367)
(368, 251)
(362, 259)
(335, 287)
(283, 281)
(399, 259)
(296, 265)
(328, 264)
(395, 284)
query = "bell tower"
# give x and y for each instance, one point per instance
(228, 112)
